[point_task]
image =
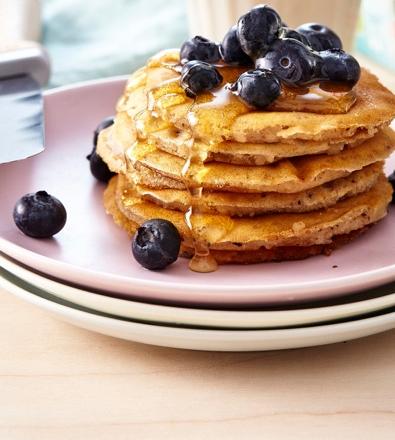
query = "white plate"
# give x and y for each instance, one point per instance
(202, 339)
(200, 317)
(91, 251)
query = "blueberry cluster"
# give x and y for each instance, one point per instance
(299, 57)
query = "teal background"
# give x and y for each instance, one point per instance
(101, 38)
(96, 39)
(376, 31)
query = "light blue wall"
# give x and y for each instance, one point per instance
(376, 31)
(94, 39)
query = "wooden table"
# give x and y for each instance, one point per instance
(61, 382)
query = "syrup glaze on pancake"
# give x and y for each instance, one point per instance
(260, 255)
(240, 205)
(221, 116)
(273, 230)
(122, 135)
(286, 176)
(162, 170)
(173, 141)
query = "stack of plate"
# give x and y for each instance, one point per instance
(86, 275)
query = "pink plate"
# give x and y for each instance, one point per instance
(91, 251)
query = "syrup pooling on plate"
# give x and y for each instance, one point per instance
(212, 114)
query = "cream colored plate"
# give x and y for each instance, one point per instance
(198, 317)
(198, 339)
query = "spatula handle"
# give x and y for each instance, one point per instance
(24, 57)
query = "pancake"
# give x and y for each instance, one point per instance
(292, 229)
(122, 135)
(299, 178)
(227, 118)
(110, 205)
(280, 253)
(260, 255)
(175, 142)
(239, 205)
(142, 175)
(286, 176)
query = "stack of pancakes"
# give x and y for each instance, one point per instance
(294, 180)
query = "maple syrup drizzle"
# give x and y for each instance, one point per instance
(202, 260)
(214, 113)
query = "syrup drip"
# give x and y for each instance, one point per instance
(202, 260)
(210, 117)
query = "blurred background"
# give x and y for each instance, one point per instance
(103, 38)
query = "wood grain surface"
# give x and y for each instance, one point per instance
(61, 382)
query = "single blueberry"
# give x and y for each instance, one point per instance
(292, 62)
(339, 66)
(98, 167)
(156, 244)
(320, 37)
(287, 32)
(201, 49)
(391, 180)
(258, 29)
(198, 76)
(39, 215)
(231, 51)
(103, 124)
(257, 88)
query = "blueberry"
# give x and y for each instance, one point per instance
(231, 51)
(198, 76)
(292, 62)
(287, 32)
(103, 124)
(156, 244)
(39, 215)
(391, 180)
(339, 66)
(257, 88)
(320, 37)
(201, 49)
(98, 167)
(258, 29)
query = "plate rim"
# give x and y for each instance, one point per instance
(351, 283)
(202, 315)
(215, 339)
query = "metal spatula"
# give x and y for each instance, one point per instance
(24, 69)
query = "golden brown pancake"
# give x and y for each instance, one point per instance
(176, 142)
(286, 176)
(374, 106)
(241, 255)
(237, 204)
(299, 178)
(122, 135)
(292, 229)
